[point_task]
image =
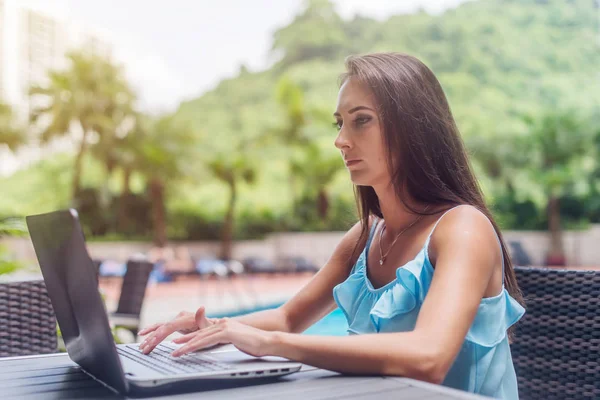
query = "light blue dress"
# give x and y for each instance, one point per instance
(484, 364)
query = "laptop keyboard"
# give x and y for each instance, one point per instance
(160, 360)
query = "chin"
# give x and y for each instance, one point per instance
(364, 178)
(360, 178)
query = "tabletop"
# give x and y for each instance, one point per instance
(55, 376)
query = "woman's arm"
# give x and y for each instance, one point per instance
(315, 299)
(309, 305)
(466, 253)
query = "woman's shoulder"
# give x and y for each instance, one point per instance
(462, 217)
(464, 225)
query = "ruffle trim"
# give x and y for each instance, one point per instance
(405, 293)
(408, 291)
(494, 316)
(398, 297)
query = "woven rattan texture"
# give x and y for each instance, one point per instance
(27, 321)
(556, 348)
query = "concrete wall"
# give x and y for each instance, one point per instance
(581, 247)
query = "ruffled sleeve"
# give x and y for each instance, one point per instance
(494, 316)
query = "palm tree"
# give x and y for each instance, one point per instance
(231, 169)
(297, 132)
(318, 169)
(291, 97)
(10, 134)
(86, 97)
(126, 155)
(558, 144)
(162, 155)
(113, 128)
(292, 133)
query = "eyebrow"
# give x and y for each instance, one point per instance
(352, 110)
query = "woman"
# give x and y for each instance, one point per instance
(424, 277)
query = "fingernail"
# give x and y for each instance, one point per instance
(177, 353)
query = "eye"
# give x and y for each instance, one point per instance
(337, 125)
(361, 120)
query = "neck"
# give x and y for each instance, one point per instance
(396, 214)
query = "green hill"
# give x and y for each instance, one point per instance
(496, 59)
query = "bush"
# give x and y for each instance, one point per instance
(10, 227)
(193, 224)
(106, 218)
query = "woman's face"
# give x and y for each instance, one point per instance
(360, 137)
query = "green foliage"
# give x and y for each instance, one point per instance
(11, 135)
(317, 33)
(10, 227)
(558, 147)
(269, 131)
(91, 96)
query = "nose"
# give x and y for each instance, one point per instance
(341, 141)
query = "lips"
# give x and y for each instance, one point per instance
(349, 163)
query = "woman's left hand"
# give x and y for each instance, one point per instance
(245, 338)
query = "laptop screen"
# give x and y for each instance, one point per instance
(72, 286)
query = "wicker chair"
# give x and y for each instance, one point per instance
(556, 349)
(132, 295)
(27, 321)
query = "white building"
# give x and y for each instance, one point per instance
(31, 44)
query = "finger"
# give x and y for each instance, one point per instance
(198, 334)
(161, 333)
(201, 319)
(147, 341)
(150, 337)
(185, 338)
(149, 329)
(213, 339)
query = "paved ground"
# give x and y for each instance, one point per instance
(164, 300)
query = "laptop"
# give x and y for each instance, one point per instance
(72, 286)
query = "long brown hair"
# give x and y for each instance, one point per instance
(426, 154)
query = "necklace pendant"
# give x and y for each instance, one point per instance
(381, 261)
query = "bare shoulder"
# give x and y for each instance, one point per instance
(466, 228)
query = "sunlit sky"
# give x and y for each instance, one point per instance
(175, 50)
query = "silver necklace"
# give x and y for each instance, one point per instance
(382, 256)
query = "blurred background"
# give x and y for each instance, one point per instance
(199, 134)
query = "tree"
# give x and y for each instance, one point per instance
(10, 134)
(85, 97)
(559, 144)
(164, 157)
(291, 133)
(317, 33)
(318, 169)
(123, 152)
(231, 169)
(116, 123)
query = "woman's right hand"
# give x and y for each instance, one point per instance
(185, 322)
